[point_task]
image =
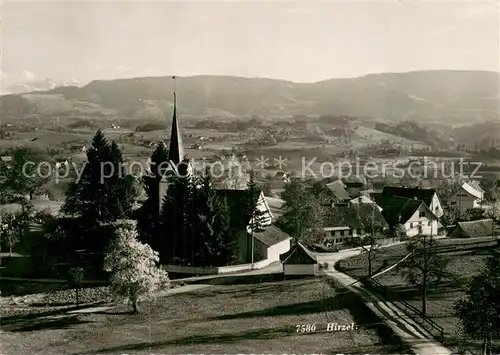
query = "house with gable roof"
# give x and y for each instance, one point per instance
(470, 195)
(428, 196)
(338, 192)
(412, 213)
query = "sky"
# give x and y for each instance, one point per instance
(297, 41)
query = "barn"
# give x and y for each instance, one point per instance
(299, 261)
(472, 229)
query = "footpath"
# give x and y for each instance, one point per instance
(411, 333)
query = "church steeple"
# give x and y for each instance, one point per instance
(176, 150)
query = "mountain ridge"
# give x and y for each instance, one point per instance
(447, 96)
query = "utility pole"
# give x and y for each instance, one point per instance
(493, 214)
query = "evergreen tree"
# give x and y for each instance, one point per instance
(255, 216)
(208, 244)
(121, 186)
(87, 197)
(149, 218)
(229, 253)
(103, 193)
(215, 243)
(178, 216)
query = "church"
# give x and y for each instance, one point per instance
(267, 244)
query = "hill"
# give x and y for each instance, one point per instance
(447, 97)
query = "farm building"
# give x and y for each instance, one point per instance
(299, 261)
(472, 229)
(271, 243)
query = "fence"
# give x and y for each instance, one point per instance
(421, 319)
(216, 270)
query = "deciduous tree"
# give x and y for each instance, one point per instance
(133, 267)
(425, 265)
(303, 216)
(479, 312)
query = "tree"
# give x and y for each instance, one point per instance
(15, 224)
(251, 209)
(397, 232)
(87, 197)
(235, 174)
(20, 175)
(303, 216)
(121, 187)
(103, 193)
(149, 221)
(133, 267)
(76, 277)
(230, 248)
(425, 266)
(212, 227)
(9, 231)
(479, 312)
(373, 226)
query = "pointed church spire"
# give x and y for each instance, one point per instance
(176, 150)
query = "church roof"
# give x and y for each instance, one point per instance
(176, 149)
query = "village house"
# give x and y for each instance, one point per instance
(428, 196)
(416, 217)
(470, 195)
(337, 192)
(352, 221)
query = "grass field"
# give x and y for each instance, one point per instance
(464, 264)
(256, 318)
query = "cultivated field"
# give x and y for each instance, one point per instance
(245, 318)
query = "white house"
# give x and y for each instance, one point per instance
(470, 195)
(413, 214)
(264, 208)
(299, 261)
(271, 243)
